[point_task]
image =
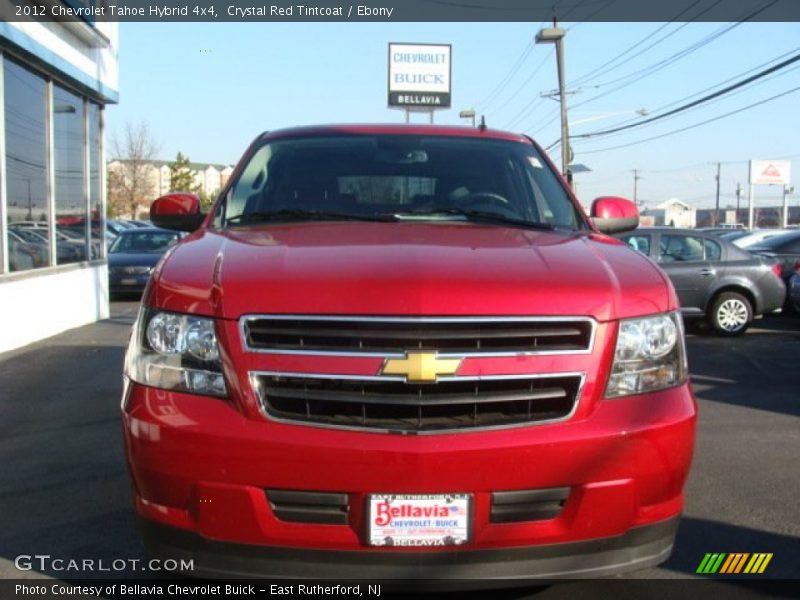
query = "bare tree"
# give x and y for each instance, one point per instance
(130, 174)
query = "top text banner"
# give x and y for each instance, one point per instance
(534, 11)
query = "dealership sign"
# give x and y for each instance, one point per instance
(419, 76)
(770, 172)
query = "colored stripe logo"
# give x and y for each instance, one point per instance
(734, 563)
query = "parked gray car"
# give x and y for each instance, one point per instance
(714, 279)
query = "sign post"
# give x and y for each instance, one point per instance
(768, 172)
(419, 77)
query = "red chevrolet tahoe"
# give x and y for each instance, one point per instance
(394, 352)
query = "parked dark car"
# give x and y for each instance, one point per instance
(715, 280)
(23, 255)
(133, 255)
(785, 247)
(793, 293)
(720, 230)
(137, 223)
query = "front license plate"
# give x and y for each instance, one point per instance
(417, 520)
(128, 281)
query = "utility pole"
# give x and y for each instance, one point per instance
(716, 210)
(30, 201)
(785, 213)
(636, 178)
(556, 34)
(562, 97)
(738, 198)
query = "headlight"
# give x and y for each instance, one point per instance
(649, 356)
(175, 352)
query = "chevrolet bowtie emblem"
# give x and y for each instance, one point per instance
(421, 366)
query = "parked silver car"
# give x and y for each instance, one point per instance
(714, 279)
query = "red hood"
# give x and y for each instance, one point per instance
(407, 269)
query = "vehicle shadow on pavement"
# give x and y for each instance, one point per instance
(740, 371)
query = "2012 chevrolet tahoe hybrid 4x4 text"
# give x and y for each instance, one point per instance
(406, 352)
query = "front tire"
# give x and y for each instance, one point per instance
(731, 314)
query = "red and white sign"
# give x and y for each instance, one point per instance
(430, 520)
(770, 172)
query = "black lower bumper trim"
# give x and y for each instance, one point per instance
(638, 548)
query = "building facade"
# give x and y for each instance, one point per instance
(207, 179)
(674, 213)
(55, 80)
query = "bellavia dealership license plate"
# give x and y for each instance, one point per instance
(430, 520)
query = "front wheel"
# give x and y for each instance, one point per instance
(731, 314)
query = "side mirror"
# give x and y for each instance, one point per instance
(179, 211)
(611, 214)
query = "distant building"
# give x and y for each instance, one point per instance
(673, 213)
(208, 179)
(764, 217)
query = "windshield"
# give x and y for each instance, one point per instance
(400, 177)
(145, 242)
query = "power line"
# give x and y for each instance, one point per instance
(589, 17)
(526, 82)
(702, 100)
(669, 133)
(549, 119)
(705, 105)
(604, 4)
(601, 70)
(505, 81)
(691, 48)
(662, 64)
(571, 9)
(637, 76)
(535, 101)
(716, 85)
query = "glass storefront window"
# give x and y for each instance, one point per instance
(95, 193)
(72, 155)
(69, 176)
(26, 167)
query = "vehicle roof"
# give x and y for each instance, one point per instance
(392, 129)
(777, 240)
(669, 229)
(147, 230)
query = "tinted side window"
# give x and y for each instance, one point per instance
(639, 242)
(681, 248)
(713, 250)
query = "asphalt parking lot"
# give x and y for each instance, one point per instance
(64, 488)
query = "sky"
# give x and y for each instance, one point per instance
(207, 90)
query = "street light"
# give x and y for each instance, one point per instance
(469, 113)
(556, 35)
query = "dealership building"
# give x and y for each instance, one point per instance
(55, 80)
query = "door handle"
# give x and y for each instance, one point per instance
(708, 272)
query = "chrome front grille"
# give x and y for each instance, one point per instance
(386, 404)
(390, 402)
(473, 336)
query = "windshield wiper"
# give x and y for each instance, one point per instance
(474, 215)
(299, 214)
